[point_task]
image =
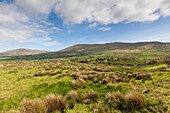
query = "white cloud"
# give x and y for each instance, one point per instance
(52, 43)
(36, 6)
(57, 29)
(105, 28)
(17, 25)
(47, 39)
(157, 37)
(10, 23)
(25, 19)
(93, 25)
(111, 11)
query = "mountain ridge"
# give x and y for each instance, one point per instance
(22, 51)
(140, 48)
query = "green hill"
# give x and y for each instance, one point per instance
(140, 48)
(22, 51)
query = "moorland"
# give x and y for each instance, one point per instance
(95, 78)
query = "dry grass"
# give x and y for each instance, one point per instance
(92, 95)
(72, 95)
(99, 108)
(105, 80)
(79, 83)
(51, 101)
(33, 106)
(54, 103)
(116, 99)
(135, 101)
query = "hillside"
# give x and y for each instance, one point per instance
(140, 48)
(93, 48)
(21, 51)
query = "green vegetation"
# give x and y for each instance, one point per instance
(21, 51)
(116, 49)
(111, 82)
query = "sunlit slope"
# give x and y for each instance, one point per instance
(22, 51)
(140, 48)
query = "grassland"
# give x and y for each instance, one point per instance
(141, 84)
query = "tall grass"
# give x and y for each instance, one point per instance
(33, 106)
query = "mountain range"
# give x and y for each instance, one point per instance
(138, 48)
(22, 51)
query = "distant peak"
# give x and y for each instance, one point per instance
(22, 51)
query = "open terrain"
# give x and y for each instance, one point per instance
(124, 79)
(136, 49)
(21, 51)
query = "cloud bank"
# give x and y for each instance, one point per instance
(25, 19)
(107, 12)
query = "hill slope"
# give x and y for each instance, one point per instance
(22, 51)
(140, 46)
(157, 48)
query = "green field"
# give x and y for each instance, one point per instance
(101, 83)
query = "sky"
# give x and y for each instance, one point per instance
(56, 24)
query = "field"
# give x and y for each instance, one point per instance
(91, 84)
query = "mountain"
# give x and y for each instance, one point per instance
(140, 48)
(22, 51)
(92, 48)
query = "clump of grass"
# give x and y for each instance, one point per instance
(100, 108)
(73, 95)
(91, 95)
(33, 106)
(23, 76)
(51, 101)
(55, 72)
(135, 101)
(105, 80)
(79, 83)
(110, 99)
(116, 100)
(71, 104)
(54, 103)
(95, 80)
(119, 101)
(87, 101)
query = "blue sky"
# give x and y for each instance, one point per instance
(57, 24)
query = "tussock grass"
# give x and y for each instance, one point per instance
(79, 83)
(135, 101)
(131, 101)
(91, 95)
(73, 95)
(33, 106)
(54, 103)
